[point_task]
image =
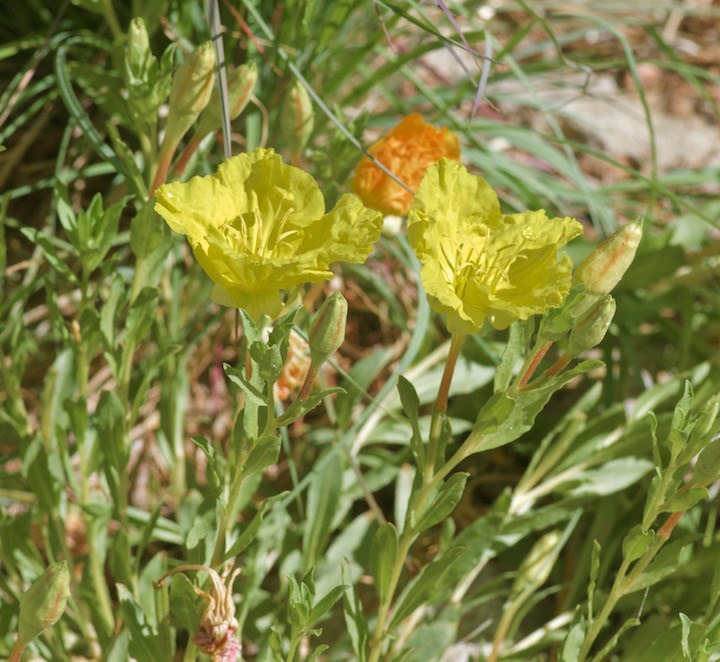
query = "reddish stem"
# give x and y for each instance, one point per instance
(187, 154)
(665, 531)
(539, 356)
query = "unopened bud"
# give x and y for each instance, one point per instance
(137, 50)
(602, 270)
(190, 91)
(241, 83)
(589, 331)
(297, 118)
(537, 565)
(43, 603)
(328, 328)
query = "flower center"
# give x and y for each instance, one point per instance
(260, 237)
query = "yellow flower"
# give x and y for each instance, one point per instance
(258, 227)
(407, 151)
(478, 263)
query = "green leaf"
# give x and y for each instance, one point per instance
(383, 552)
(300, 601)
(237, 377)
(43, 604)
(118, 651)
(299, 408)
(110, 424)
(570, 651)
(683, 501)
(403, 491)
(251, 529)
(264, 453)
(140, 316)
(594, 572)
(611, 477)
(268, 359)
(678, 434)
(212, 475)
(707, 467)
(443, 503)
(355, 621)
(411, 405)
(98, 228)
(51, 252)
(325, 604)
(324, 496)
(110, 309)
(686, 625)
(636, 543)
(150, 239)
(422, 587)
(475, 541)
(184, 603)
(317, 652)
(504, 419)
(144, 641)
(612, 643)
(515, 350)
(665, 563)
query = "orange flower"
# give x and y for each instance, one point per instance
(408, 151)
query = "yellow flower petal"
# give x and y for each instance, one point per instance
(258, 228)
(478, 264)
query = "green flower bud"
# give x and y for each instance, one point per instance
(328, 328)
(602, 270)
(190, 92)
(589, 331)
(297, 118)
(241, 83)
(43, 603)
(137, 50)
(537, 565)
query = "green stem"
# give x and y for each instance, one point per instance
(112, 19)
(430, 481)
(624, 583)
(503, 627)
(82, 372)
(237, 481)
(295, 638)
(615, 594)
(406, 541)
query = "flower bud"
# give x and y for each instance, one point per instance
(589, 331)
(190, 91)
(240, 86)
(137, 50)
(328, 328)
(297, 117)
(602, 270)
(537, 565)
(44, 602)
